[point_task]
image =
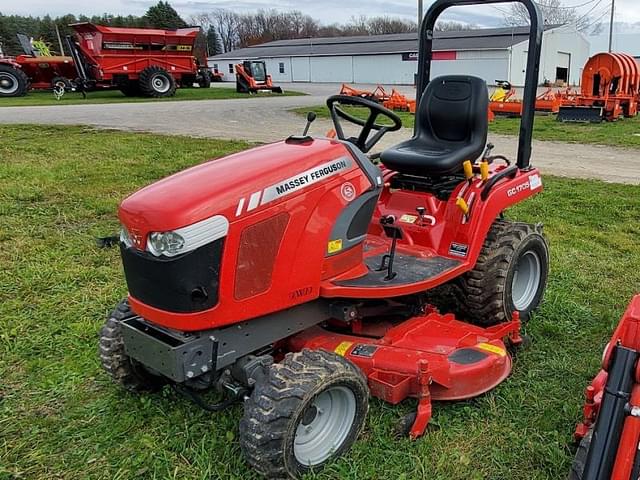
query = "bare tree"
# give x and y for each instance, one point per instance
(554, 12)
(386, 25)
(227, 24)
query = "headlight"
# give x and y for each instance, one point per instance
(187, 239)
(125, 237)
(168, 244)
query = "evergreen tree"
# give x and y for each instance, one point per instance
(213, 42)
(164, 16)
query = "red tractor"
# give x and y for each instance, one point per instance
(300, 277)
(32, 70)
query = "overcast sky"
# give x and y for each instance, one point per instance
(327, 11)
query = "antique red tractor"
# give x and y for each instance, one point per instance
(301, 277)
(33, 70)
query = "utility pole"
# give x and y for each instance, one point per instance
(613, 7)
(420, 8)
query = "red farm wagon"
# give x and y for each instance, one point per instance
(149, 62)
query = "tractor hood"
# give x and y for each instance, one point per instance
(235, 185)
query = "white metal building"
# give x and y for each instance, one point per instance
(492, 54)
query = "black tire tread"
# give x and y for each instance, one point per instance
(23, 80)
(480, 293)
(116, 362)
(144, 82)
(267, 413)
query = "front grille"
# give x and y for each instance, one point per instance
(184, 284)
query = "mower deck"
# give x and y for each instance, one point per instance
(432, 356)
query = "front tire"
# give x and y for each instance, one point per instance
(510, 274)
(156, 82)
(308, 410)
(13, 81)
(123, 369)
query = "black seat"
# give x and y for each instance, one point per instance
(451, 127)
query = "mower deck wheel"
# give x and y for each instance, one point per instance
(13, 81)
(156, 82)
(510, 274)
(307, 411)
(123, 369)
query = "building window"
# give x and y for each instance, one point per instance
(281, 67)
(231, 68)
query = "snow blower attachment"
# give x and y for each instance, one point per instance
(609, 433)
(300, 277)
(610, 89)
(252, 77)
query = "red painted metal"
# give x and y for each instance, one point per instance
(412, 359)
(113, 51)
(627, 334)
(217, 187)
(42, 70)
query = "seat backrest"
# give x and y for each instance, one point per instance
(453, 111)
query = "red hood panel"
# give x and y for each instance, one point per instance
(229, 185)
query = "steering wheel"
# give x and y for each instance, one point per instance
(362, 141)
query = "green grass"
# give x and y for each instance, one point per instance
(623, 133)
(62, 418)
(40, 98)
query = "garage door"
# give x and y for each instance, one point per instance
(300, 69)
(332, 69)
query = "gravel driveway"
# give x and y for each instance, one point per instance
(268, 119)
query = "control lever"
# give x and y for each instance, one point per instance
(311, 117)
(423, 217)
(394, 233)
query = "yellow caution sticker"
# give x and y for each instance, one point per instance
(488, 347)
(408, 218)
(342, 348)
(334, 246)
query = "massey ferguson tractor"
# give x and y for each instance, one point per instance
(300, 277)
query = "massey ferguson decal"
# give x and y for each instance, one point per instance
(295, 183)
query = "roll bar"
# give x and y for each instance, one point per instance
(533, 63)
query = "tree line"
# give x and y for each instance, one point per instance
(222, 30)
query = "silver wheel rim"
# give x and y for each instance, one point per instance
(161, 84)
(526, 280)
(324, 426)
(8, 83)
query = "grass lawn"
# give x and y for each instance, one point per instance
(40, 98)
(62, 418)
(623, 133)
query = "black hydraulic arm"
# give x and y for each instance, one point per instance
(77, 60)
(608, 428)
(533, 63)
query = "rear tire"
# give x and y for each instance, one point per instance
(13, 81)
(122, 368)
(204, 79)
(510, 274)
(156, 82)
(307, 411)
